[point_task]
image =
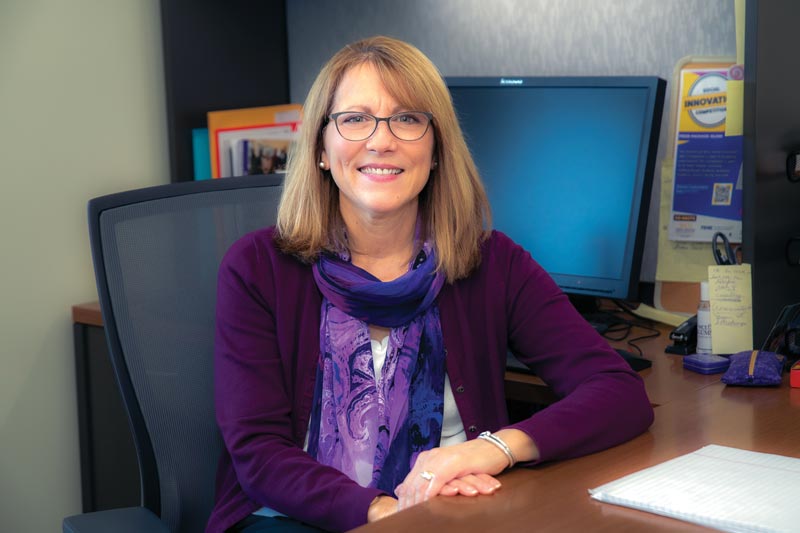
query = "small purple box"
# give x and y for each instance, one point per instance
(703, 363)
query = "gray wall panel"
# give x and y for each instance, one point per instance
(522, 37)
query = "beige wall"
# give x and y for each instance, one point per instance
(81, 114)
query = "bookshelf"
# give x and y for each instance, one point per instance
(219, 55)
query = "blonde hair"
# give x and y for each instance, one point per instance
(453, 205)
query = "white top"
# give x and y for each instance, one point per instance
(452, 426)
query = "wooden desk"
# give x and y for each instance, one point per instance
(87, 313)
(692, 411)
(109, 468)
(665, 381)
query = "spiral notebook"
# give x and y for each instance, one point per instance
(716, 486)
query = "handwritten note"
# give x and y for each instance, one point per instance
(730, 290)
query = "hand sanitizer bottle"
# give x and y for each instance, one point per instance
(704, 321)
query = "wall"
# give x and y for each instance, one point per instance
(522, 37)
(81, 115)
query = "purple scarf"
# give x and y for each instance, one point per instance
(372, 430)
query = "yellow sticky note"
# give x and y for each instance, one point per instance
(730, 292)
(734, 113)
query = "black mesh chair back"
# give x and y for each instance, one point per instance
(156, 252)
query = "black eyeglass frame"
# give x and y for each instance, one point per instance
(333, 116)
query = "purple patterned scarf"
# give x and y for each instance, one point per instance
(372, 430)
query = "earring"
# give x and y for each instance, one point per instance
(322, 165)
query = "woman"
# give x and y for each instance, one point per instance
(361, 343)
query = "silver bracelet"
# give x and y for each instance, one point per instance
(497, 441)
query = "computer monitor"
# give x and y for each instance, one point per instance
(568, 166)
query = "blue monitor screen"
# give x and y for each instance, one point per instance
(568, 167)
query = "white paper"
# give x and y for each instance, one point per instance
(716, 486)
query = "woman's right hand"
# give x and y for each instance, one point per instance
(467, 468)
(381, 507)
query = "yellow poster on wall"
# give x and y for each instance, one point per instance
(707, 179)
(683, 264)
(681, 261)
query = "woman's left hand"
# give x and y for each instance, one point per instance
(467, 468)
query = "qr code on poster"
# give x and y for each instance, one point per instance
(723, 193)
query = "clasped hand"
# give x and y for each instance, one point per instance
(467, 468)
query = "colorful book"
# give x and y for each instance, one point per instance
(200, 154)
(266, 131)
(260, 156)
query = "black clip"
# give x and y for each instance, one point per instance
(728, 254)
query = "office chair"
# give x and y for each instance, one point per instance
(156, 252)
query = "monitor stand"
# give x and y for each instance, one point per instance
(584, 304)
(589, 308)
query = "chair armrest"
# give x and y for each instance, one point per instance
(126, 520)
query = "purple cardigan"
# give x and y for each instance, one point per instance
(267, 348)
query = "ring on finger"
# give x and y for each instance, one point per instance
(427, 475)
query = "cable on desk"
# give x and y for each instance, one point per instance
(624, 327)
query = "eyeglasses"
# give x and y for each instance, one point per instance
(406, 126)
